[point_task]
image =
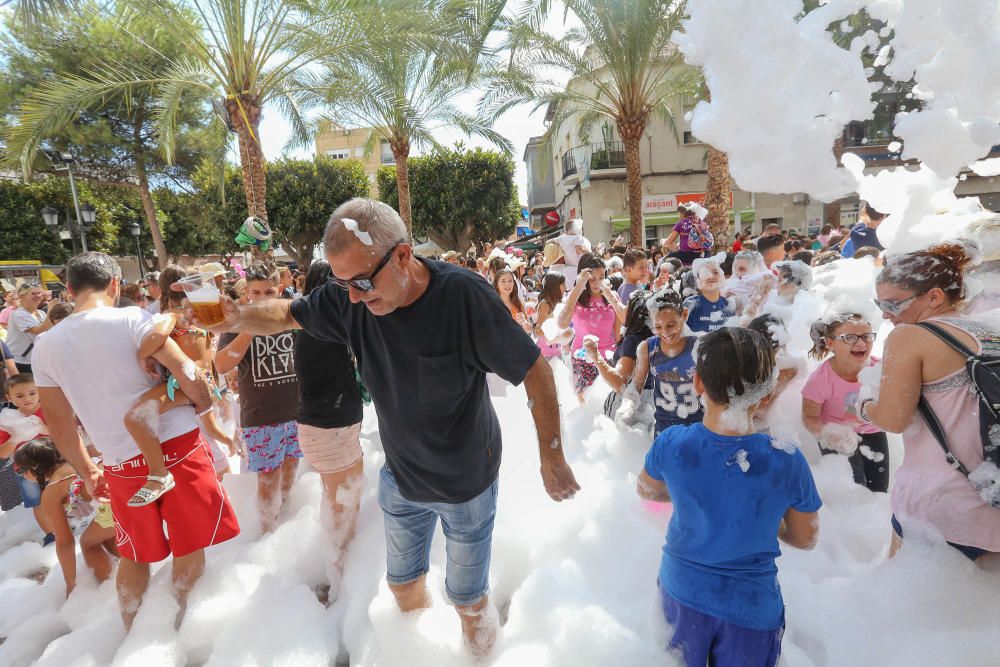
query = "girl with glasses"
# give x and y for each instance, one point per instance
(830, 396)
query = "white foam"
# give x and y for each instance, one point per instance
(352, 226)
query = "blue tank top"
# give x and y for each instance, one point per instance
(673, 391)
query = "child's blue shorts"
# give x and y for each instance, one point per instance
(709, 640)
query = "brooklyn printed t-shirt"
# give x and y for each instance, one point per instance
(425, 366)
(730, 494)
(269, 390)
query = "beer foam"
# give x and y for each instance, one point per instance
(204, 294)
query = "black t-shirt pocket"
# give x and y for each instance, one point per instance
(440, 378)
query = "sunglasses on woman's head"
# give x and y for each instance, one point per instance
(366, 284)
(894, 308)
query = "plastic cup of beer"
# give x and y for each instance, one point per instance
(204, 298)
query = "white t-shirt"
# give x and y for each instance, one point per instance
(154, 306)
(18, 338)
(569, 244)
(91, 356)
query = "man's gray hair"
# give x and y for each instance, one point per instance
(374, 223)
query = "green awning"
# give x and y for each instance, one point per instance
(623, 224)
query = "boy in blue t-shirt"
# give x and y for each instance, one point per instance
(708, 310)
(735, 494)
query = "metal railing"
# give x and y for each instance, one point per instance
(605, 155)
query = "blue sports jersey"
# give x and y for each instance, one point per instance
(705, 315)
(730, 494)
(673, 389)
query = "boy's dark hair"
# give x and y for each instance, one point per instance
(19, 379)
(731, 360)
(637, 315)
(826, 257)
(39, 456)
(766, 325)
(872, 214)
(262, 271)
(804, 256)
(866, 251)
(765, 243)
(60, 311)
(91, 270)
(632, 257)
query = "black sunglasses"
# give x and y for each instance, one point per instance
(366, 284)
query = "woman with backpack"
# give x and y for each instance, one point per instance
(690, 238)
(919, 292)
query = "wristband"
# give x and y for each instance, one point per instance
(862, 411)
(205, 411)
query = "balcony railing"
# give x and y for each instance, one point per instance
(605, 155)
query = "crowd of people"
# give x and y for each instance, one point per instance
(122, 447)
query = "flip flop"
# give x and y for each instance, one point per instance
(146, 496)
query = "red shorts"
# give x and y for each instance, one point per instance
(196, 512)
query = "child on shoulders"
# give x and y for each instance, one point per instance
(735, 495)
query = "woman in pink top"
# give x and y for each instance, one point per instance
(593, 310)
(929, 495)
(553, 290)
(830, 398)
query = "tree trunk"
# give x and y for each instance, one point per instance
(717, 195)
(401, 153)
(252, 161)
(630, 130)
(150, 210)
(831, 211)
(718, 189)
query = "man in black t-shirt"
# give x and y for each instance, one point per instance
(425, 335)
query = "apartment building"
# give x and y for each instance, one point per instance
(341, 143)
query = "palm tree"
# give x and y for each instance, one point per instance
(35, 12)
(405, 90)
(718, 189)
(113, 132)
(244, 53)
(621, 66)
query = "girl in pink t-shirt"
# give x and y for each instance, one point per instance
(830, 396)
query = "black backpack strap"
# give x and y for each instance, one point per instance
(947, 338)
(934, 426)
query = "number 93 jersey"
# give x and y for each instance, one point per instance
(673, 385)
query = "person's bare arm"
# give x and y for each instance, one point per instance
(557, 476)
(651, 489)
(902, 374)
(52, 507)
(11, 367)
(162, 327)
(668, 243)
(61, 422)
(799, 529)
(566, 314)
(266, 318)
(227, 358)
(641, 367)
(810, 416)
(612, 298)
(618, 375)
(41, 328)
(543, 313)
(192, 383)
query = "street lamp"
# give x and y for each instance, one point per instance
(135, 230)
(67, 160)
(51, 218)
